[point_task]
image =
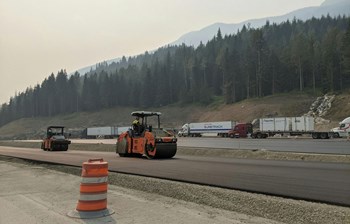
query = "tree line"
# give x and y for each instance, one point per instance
(300, 56)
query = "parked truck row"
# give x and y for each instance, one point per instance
(284, 126)
(104, 132)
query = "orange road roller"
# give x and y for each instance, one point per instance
(55, 139)
(143, 139)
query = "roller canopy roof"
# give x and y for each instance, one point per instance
(55, 127)
(145, 113)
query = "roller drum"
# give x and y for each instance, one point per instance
(165, 150)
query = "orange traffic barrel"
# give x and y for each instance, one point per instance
(92, 202)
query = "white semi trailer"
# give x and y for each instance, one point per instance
(289, 126)
(221, 128)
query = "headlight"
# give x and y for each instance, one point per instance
(158, 140)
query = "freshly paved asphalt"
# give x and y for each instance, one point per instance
(326, 146)
(315, 181)
(294, 144)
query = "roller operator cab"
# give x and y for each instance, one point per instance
(153, 142)
(55, 139)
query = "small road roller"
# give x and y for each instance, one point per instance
(55, 139)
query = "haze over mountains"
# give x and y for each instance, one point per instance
(332, 8)
(309, 56)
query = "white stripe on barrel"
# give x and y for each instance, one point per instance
(94, 180)
(93, 197)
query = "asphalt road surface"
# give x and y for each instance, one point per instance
(316, 181)
(328, 146)
(303, 145)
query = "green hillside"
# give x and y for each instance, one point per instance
(294, 56)
(174, 116)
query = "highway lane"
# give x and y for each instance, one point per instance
(326, 182)
(327, 146)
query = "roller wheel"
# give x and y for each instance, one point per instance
(166, 151)
(122, 148)
(150, 151)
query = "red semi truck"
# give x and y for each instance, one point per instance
(241, 130)
(220, 128)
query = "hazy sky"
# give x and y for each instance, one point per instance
(40, 37)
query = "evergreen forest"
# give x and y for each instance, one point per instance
(306, 56)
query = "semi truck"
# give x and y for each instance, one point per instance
(289, 126)
(241, 130)
(343, 130)
(221, 128)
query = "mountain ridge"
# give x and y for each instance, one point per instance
(332, 8)
(194, 38)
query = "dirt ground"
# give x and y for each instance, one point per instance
(248, 110)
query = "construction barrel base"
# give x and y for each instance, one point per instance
(90, 215)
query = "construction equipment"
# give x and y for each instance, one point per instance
(55, 140)
(146, 140)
